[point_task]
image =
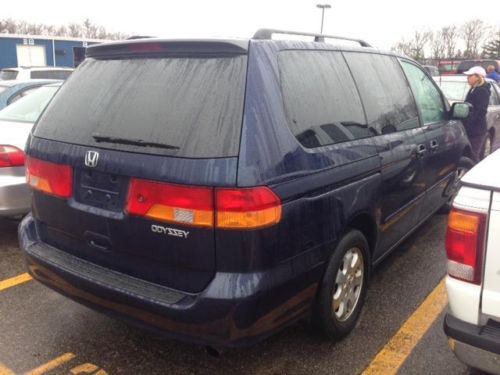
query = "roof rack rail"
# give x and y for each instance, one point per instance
(268, 34)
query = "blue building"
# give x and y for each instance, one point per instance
(29, 50)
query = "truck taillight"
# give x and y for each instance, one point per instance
(465, 245)
(11, 156)
(246, 208)
(50, 178)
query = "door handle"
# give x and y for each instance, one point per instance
(421, 149)
(97, 241)
(434, 145)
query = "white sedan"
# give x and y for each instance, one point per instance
(16, 122)
(472, 323)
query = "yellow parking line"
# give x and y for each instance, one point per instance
(397, 350)
(13, 281)
(52, 364)
(5, 371)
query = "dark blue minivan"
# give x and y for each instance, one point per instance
(220, 190)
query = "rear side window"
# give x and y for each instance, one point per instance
(186, 107)
(8, 74)
(321, 101)
(387, 98)
(50, 74)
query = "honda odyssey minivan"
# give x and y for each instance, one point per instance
(220, 190)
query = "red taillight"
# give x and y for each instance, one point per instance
(250, 208)
(465, 245)
(172, 203)
(11, 156)
(50, 178)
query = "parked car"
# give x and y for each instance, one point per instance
(220, 190)
(10, 91)
(446, 67)
(16, 122)
(455, 88)
(467, 64)
(473, 282)
(432, 70)
(43, 72)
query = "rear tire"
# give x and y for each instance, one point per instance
(343, 288)
(464, 165)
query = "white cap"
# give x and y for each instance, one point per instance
(479, 70)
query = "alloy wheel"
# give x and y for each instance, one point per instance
(348, 284)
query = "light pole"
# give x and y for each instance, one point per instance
(323, 7)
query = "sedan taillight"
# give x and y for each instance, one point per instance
(11, 156)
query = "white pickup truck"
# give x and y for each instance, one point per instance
(472, 323)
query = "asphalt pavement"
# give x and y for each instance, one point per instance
(43, 332)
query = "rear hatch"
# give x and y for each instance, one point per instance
(125, 158)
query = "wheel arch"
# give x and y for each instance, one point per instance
(365, 223)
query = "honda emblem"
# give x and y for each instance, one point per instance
(91, 158)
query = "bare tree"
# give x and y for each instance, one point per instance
(87, 29)
(449, 34)
(438, 47)
(8, 26)
(473, 32)
(74, 30)
(418, 44)
(402, 47)
(491, 48)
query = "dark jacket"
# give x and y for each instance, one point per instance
(479, 97)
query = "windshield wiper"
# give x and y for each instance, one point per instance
(133, 142)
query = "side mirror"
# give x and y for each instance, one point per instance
(460, 110)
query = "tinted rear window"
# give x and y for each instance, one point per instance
(50, 74)
(186, 107)
(321, 101)
(8, 74)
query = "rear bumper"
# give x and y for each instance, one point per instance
(234, 310)
(14, 196)
(476, 346)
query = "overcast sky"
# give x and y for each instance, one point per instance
(380, 22)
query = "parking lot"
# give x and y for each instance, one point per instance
(42, 332)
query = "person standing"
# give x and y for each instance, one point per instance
(479, 97)
(492, 74)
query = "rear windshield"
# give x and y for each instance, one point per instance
(186, 107)
(8, 74)
(50, 74)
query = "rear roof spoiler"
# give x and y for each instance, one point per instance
(268, 34)
(166, 47)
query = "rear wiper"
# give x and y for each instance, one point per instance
(134, 142)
